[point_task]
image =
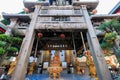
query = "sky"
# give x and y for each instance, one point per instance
(16, 6)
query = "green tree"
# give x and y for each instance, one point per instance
(110, 26)
(7, 43)
(2, 51)
(111, 29)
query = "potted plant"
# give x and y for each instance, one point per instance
(111, 29)
(9, 43)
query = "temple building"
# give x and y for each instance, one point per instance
(116, 9)
(61, 39)
(2, 28)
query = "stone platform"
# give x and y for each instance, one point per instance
(64, 76)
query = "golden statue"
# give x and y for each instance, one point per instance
(79, 71)
(56, 61)
(12, 66)
(90, 65)
(55, 68)
(31, 69)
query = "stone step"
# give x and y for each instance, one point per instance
(63, 77)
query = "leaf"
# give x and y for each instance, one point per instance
(110, 36)
(106, 45)
(110, 25)
(2, 44)
(12, 49)
(4, 37)
(16, 40)
(2, 51)
(114, 23)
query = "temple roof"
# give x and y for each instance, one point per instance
(117, 7)
(22, 17)
(2, 26)
(105, 16)
(25, 17)
(31, 5)
(91, 4)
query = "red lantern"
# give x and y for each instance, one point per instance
(62, 36)
(40, 35)
(26, 10)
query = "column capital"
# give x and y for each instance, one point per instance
(84, 6)
(37, 6)
(12, 24)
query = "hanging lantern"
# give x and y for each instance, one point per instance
(26, 10)
(40, 35)
(62, 36)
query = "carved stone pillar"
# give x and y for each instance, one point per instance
(101, 67)
(13, 22)
(21, 66)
